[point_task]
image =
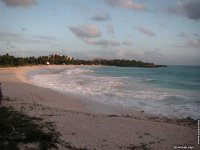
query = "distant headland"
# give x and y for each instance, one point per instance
(56, 59)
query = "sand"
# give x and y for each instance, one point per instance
(83, 123)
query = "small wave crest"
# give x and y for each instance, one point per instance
(76, 71)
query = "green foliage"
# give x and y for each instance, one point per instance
(7, 60)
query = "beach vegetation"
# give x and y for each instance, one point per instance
(19, 129)
(10, 61)
(142, 146)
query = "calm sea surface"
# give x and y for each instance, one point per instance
(173, 91)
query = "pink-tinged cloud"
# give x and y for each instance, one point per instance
(20, 3)
(127, 43)
(146, 31)
(127, 4)
(110, 29)
(86, 31)
(194, 43)
(102, 42)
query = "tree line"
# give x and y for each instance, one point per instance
(11, 61)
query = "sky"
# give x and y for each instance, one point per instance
(158, 31)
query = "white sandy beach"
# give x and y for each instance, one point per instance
(92, 125)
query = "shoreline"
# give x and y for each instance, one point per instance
(76, 102)
(67, 101)
(16, 85)
(83, 124)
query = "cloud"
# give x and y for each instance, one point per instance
(45, 37)
(110, 29)
(20, 3)
(127, 43)
(182, 34)
(106, 42)
(7, 35)
(146, 31)
(193, 43)
(12, 37)
(121, 53)
(157, 49)
(190, 42)
(86, 31)
(196, 34)
(162, 24)
(127, 4)
(24, 29)
(101, 17)
(20, 38)
(102, 42)
(188, 8)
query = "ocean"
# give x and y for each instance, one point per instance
(173, 91)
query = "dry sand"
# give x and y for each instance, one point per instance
(83, 123)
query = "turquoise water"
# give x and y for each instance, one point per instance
(174, 77)
(173, 91)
